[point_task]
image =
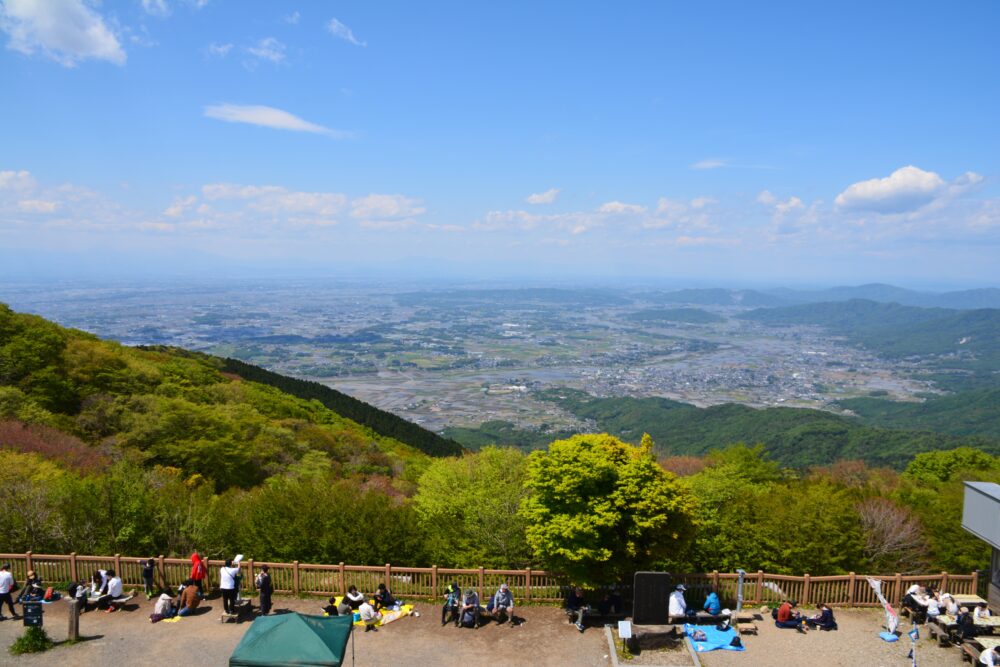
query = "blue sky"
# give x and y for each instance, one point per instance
(700, 142)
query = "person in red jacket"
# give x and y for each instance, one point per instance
(789, 617)
(198, 571)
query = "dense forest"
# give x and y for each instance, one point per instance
(110, 449)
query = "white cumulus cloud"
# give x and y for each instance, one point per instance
(621, 208)
(265, 116)
(338, 29)
(16, 180)
(546, 197)
(905, 189)
(66, 31)
(379, 206)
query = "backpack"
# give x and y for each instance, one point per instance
(258, 580)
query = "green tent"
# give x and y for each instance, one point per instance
(294, 639)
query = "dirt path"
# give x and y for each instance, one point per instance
(128, 638)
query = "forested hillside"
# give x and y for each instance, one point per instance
(794, 437)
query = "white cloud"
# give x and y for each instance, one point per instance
(37, 206)
(180, 206)
(376, 206)
(546, 197)
(269, 48)
(338, 29)
(710, 163)
(268, 117)
(766, 198)
(293, 18)
(702, 202)
(219, 50)
(906, 189)
(277, 200)
(16, 180)
(66, 31)
(621, 208)
(158, 8)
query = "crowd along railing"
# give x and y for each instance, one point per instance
(528, 585)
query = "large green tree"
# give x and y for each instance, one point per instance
(600, 509)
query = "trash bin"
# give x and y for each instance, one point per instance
(33, 614)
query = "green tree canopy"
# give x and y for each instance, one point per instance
(600, 509)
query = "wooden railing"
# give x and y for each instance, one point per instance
(295, 578)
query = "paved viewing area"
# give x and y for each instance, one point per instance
(545, 639)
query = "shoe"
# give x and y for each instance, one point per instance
(579, 626)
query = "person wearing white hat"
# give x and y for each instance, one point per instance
(677, 606)
(503, 603)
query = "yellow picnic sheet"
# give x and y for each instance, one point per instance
(171, 620)
(387, 616)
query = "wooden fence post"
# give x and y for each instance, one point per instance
(897, 593)
(715, 580)
(250, 576)
(28, 563)
(434, 582)
(760, 587)
(944, 581)
(527, 584)
(118, 564)
(163, 574)
(343, 580)
(805, 589)
(482, 581)
(388, 575)
(295, 577)
(72, 567)
(851, 584)
(975, 583)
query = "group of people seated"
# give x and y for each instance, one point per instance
(787, 615)
(465, 610)
(187, 600)
(101, 591)
(926, 604)
(34, 590)
(678, 608)
(369, 611)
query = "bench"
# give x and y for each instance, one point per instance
(244, 612)
(969, 654)
(746, 628)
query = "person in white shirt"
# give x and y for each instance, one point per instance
(6, 588)
(114, 590)
(949, 605)
(933, 607)
(989, 657)
(981, 611)
(227, 584)
(677, 605)
(369, 616)
(354, 598)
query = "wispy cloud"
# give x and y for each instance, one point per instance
(546, 197)
(293, 18)
(265, 116)
(269, 48)
(378, 206)
(338, 29)
(67, 31)
(710, 163)
(158, 8)
(219, 50)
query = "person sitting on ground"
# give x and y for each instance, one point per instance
(677, 607)
(469, 613)
(611, 602)
(982, 610)
(823, 618)
(164, 607)
(383, 598)
(577, 606)
(712, 604)
(114, 591)
(452, 600)
(989, 657)
(369, 615)
(353, 598)
(189, 599)
(33, 589)
(788, 616)
(503, 603)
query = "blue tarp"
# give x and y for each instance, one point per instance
(714, 638)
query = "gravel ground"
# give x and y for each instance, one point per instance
(128, 638)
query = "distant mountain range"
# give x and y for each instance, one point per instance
(988, 297)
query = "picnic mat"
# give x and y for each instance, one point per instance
(387, 616)
(714, 638)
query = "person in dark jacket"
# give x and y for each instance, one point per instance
(576, 606)
(452, 600)
(383, 598)
(823, 619)
(266, 588)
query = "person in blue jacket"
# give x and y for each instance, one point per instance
(712, 604)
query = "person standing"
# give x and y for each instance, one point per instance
(148, 569)
(6, 588)
(227, 584)
(198, 571)
(266, 589)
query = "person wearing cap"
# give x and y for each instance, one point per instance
(677, 606)
(6, 586)
(33, 589)
(503, 603)
(469, 614)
